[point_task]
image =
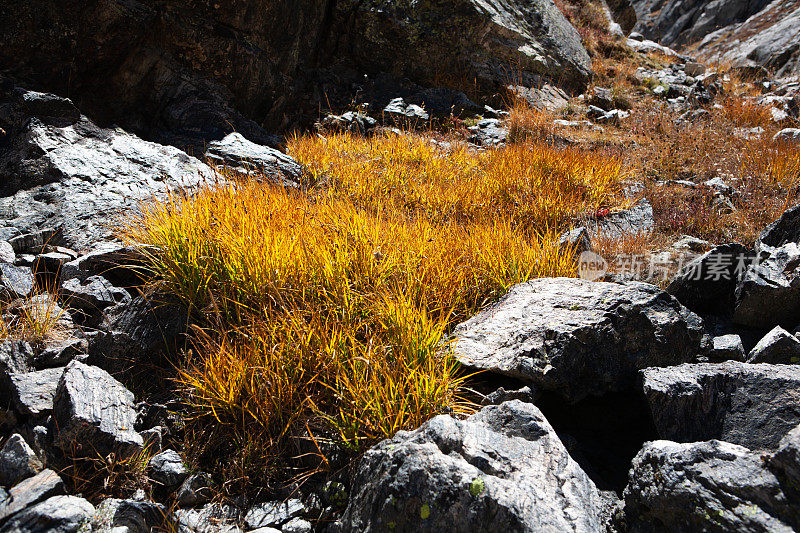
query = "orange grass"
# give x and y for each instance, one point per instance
(325, 311)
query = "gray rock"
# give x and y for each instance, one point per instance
(135, 331)
(94, 413)
(59, 352)
(753, 405)
(402, 112)
(691, 244)
(727, 348)
(212, 518)
(788, 135)
(127, 516)
(58, 514)
(785, 230)
(576, 239)
(705, 486)
(708, 284)
(601, 98)
(79, 177)
(15, 356)
(273, 514)
(769, 293)
(578, 338)
(242, 155)
(296, 525)
(17, 461)
(31, 394)
(502, 469)
(634, 221)
(7, 254)
(195, 490)
(91, 296)
(350, 121)
(694, 69)
(33, 490)
(15, 282)
(489, 132)
(785, 462)
(167, 469)
(777, 347)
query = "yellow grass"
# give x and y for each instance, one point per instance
(325, 311)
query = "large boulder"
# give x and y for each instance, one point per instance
(94, 413)
(577, 337)
(769, 292)
(58, 514)
(706, 486)
(75, 178)
(502, 469)
(189, 69)
(753, 405)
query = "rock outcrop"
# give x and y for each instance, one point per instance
(502, 469)
(180, 72)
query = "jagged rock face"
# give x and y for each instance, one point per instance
(199, 69)
(677, 22)
(742, 32)
(502, 469)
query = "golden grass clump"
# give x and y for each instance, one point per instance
(324, 311)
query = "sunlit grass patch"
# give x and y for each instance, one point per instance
(321, 314)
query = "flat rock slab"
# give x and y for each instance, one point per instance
(502, 469)
(706, 486)
(59, 514)
(577, 337)
(94, 413)
(753, 405)
(35, 489)
(242, 155)
(31, 393)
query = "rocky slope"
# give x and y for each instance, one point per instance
(186, 71)
(742, 32)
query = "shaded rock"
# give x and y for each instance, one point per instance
(785, 230)
(777, 347)
(15, 282)
(195, 490)
(727, 348)
(708, 284)
(502, 469)
(442, 102)
(31, 394)
(17, 461)
(753, 405)
(577, 240)
(15, 356)
(50, 107)
(785, 462)
(545, 97)
(35, 489)
(119, 264)
(601, 98)
(167, 469)
(58, 352)
(238, 153)
(273, 514)
(705, 486)
(576, 337)
(94, 413)
(58, 514)
(769, 293)
(91, 296)
(130, 516)
(136, 331)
